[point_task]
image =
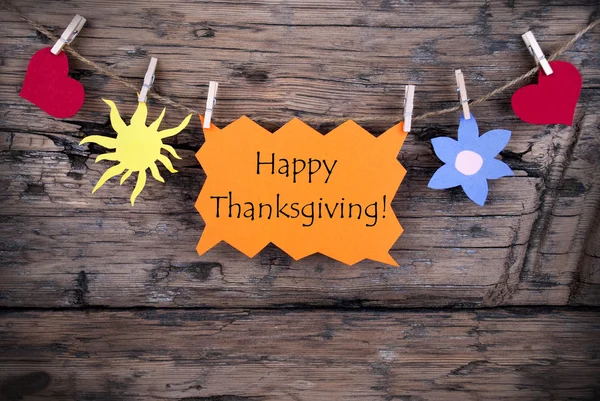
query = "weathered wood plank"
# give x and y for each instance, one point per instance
(586, 283)
(275, 60)
(277, 355)
(531, 244)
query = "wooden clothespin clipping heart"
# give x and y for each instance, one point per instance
(554, 99)
(47, 83)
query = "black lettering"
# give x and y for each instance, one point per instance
(260, 208)
(311, 170)
(294, 207)
(232, 205)
(258, 163)
(311, 216)
(350, 206)
(331, 212)
(296, 171)
(250, 209)
(329, 171)
(280, 209)
(371, 215)
(218, 198)
(285, 168)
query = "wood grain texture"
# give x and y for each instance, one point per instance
(102, 301)
(241, 355)
(533, 244)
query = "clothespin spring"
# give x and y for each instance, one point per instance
(462, 94)
(461, 101)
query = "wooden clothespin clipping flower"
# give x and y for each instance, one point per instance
(470, 161)
(137, 146)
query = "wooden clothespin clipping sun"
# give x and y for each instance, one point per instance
(211, 102)
(148, 80)
(137, 146)
(462, 93)
(47, 83)
(409, 97)
(554, 99)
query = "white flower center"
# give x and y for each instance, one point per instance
(468, 162)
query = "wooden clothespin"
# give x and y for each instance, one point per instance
(148, 80)
(211, 101)
(69, 34)
(462, 93)
(409, 97)
(536, 52)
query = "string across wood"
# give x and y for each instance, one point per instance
(316, 120)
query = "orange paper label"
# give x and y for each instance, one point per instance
(303, 191)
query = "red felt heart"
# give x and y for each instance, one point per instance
(553, 99)
(48, 85)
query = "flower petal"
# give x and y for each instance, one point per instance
(468, 131)
(495, 168)
(492, 142)
(446, 177)
(476, 188)
(446, 149)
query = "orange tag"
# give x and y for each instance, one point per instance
(303, 191)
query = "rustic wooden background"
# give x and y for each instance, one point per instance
(101, 301)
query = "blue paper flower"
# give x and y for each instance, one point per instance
(470, 161)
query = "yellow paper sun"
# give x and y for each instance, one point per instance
(137, 147)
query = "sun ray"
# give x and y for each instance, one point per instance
(108, 156)
(165, 160)
(156, 173)
(170, 149)
(105, 141)
(174, 131)
(125, 176)
(115, 118)
(108, 174)
(139, 117)
(154, 126)
(139, 185)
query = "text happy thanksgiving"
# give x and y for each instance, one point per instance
(310, 171)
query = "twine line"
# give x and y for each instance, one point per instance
(319, 120)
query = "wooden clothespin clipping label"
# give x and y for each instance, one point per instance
(211, 101)
(462, 93)
(148, 80)
(47, 83)
(409, 95)
(536, 51)
(69, 34)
